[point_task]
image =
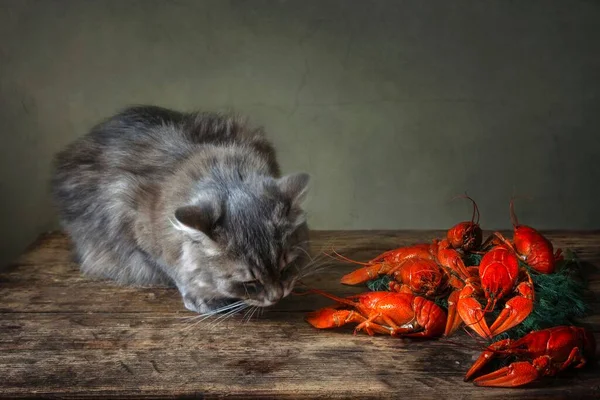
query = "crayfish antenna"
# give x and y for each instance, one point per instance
(475, 207)
(333, 297)
(344, 258)
(491, 304)
(513, 216)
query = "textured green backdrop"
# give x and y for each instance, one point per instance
(393, 106)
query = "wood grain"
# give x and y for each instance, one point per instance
(62, 334)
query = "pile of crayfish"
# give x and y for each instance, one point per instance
(489, 298)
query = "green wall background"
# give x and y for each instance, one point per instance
(394, 107)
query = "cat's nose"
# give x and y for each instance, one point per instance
(276, 295)
(275, 298)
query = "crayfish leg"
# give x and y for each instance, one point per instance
(558, 255)
(372, 327)
(516, 374)
(416, 334)
(574, 356)
(399, 288)
(367, 323)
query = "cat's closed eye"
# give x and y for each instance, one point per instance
(252, 287)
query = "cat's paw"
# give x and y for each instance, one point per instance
(202, 306)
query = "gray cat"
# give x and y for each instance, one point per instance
(152, 196)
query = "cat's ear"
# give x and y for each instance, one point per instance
(294, 186)
(198, 219)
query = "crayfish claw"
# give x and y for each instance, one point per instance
(486, 356)
(516, 374)
(453, 320)
(329, 317)
(471, 312)
(515, 311)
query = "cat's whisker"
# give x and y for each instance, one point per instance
(304, 251)
(189, 318)
(194, 321)
(232, 309)
(329, 243)
(202, 317)
(257, 309)
(224, 308)
(311, 273)
(224, 315)
(314, 260)
(312, 269)
(309, 242)
(250, 313)
(320, 262)
(247, 313)
(190, 326)
(227, 315)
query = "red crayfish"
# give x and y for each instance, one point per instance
(391, 313)
(424, 268)
(499, 275)
(467, 235)
(529, 245)
(541, 353)
(427, 270)
(503, 279)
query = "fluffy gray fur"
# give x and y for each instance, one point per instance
(152, 196)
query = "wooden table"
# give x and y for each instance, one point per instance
(65, 335)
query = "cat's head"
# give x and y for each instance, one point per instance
(248, 241)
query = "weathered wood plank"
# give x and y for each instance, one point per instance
(278, 354)
(63, 334)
